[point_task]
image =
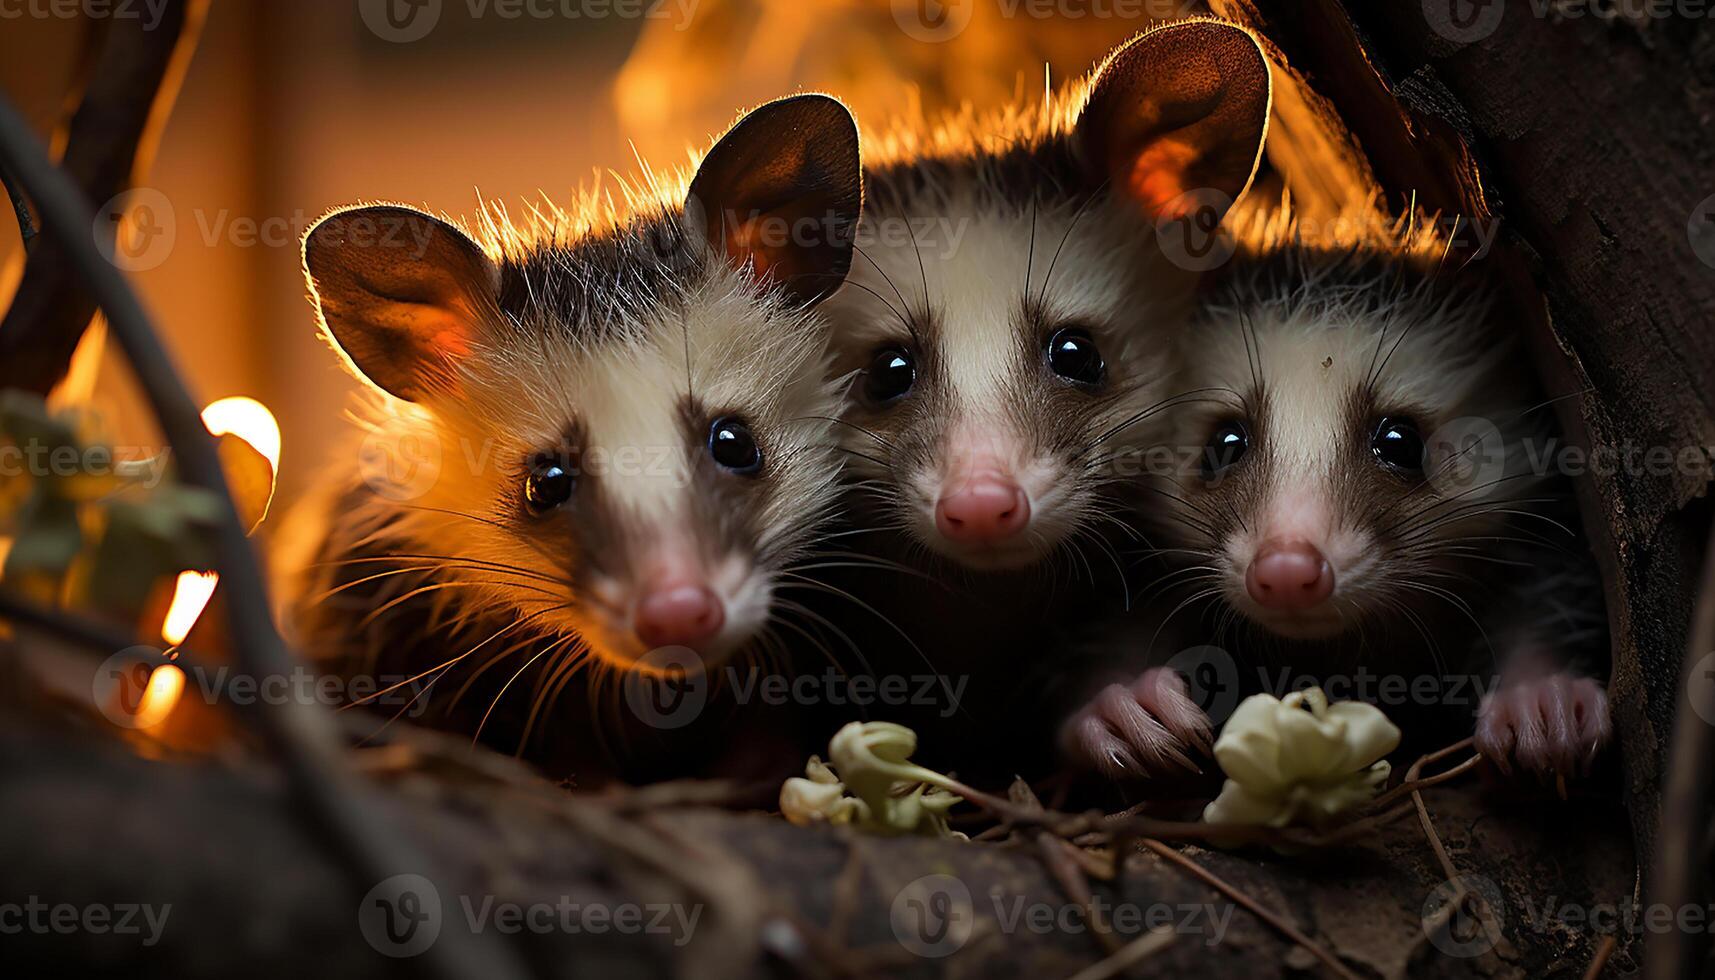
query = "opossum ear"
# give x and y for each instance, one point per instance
(780, 195)
(1176, 118)
(402, 294)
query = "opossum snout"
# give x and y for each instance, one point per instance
(687, 614)
(1289, 575)
(984, 507)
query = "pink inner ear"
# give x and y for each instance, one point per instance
(1157, 178)
(746, 240)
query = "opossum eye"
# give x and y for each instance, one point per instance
(733, 447)
(549, 485)
(1073, 356)
(1226, 447)
(889, 376)
(1399, 445)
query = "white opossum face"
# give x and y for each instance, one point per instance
(642, 490)
(1370, 444)
(632, 426)
(1007, 320)
(985, 419)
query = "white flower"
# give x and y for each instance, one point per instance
(889, 795)
(1300, 760)
(818, 797)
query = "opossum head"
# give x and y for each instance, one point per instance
(626, 429)
(1007, 318)
(1371, 448)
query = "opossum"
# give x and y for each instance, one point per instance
(1007, 324)
(1007, 317)
(1374, 492)
(618, 436)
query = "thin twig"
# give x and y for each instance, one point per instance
(1128, 956)
(1415, 786)
(20, 207)
(1604, 950)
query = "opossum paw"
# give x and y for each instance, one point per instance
(1137, 730)
(1551, 726)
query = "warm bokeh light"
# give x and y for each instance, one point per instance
(251, 421)
(248, 419)
(190, 597)
(166, 683)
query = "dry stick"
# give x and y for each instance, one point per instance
(1461, 894)
(305, 738)
(1069, 875)
(1603, 951)
(1256, 908)
(26, 224)
(1128, 956)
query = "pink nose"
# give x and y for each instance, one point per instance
(1289, 575)
(987, 508)
(681, 615)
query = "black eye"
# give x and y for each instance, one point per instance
(733, 447)
(1399, 445)
(889, 376)
(1073, 356)
(549, 485)
(1226, 447)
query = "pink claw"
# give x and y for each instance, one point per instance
(1549, 725)
(1129, 732)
